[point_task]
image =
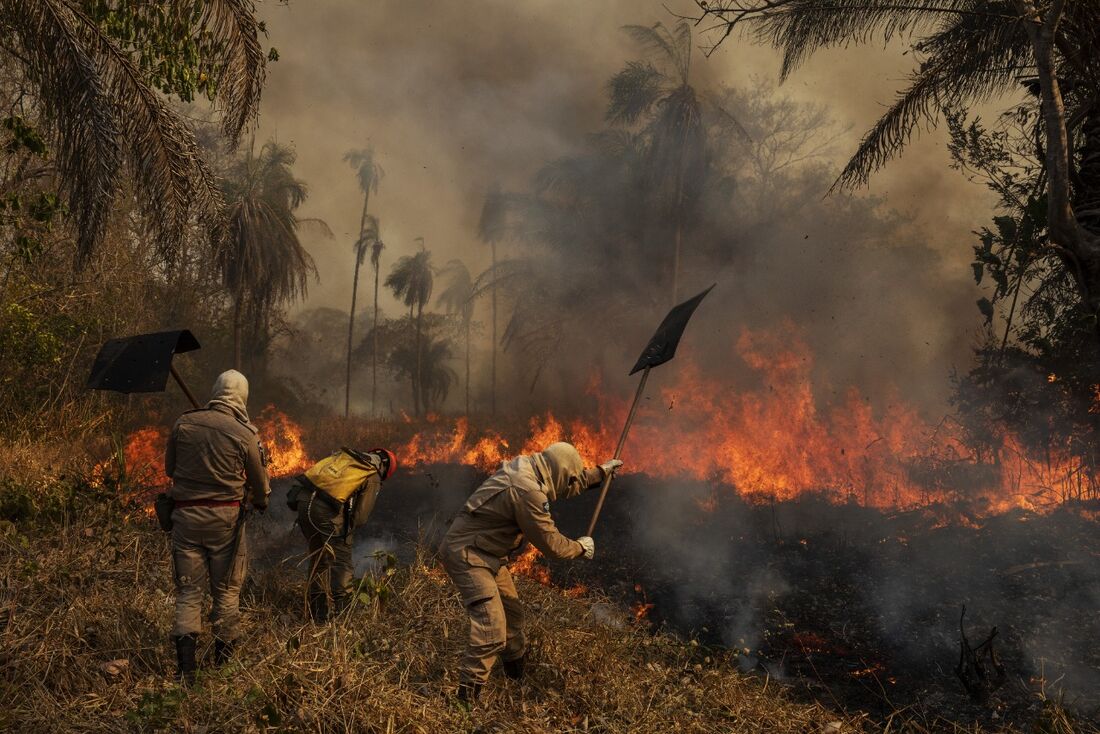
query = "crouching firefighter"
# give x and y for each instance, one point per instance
(214, 458)
(333, 498)
(509, 506)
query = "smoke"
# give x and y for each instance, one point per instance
(456, 100)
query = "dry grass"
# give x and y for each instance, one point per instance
(97, 589)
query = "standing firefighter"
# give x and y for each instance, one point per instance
(213, 456)
(333, 498)
(509, 506)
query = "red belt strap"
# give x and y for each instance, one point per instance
(208, 503)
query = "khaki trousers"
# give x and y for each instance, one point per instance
(203, 544)
(331, 567)
(495, 611)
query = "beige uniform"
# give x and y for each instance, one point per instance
(508, 507)
(213, 456)
(329, 528)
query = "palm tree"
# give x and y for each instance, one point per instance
(659, 89)
(411, 281)
(492, 227)
(97, 90)
(370, 174)
(437, 376)
(369, 239)
(458, 298)
(969, 51)
(376, 263)
(262, 262)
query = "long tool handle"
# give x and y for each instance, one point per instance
(183, 386)
(618, 450)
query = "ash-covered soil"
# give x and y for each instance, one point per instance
(856, 608)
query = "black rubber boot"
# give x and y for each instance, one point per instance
(340, 604)
(514, 668)
(223, 651)
(318, 608)
(185, 658)
(468, 693)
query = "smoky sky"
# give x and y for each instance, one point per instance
(455, 97)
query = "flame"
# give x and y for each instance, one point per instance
(527, 564)
(640, 609)
(780, 440)
(775, 440)
(282, 438)
(143, 454)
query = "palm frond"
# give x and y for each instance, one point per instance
(801, 27)
(458, 291)
(497, 221)
(633, 91)
(77, 98)
(239, 61)
(411, 279)
(972, 58)
(105, 117)
(262, 260)
(654, 39)
(367, 168)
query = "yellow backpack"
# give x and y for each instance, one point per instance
(340, 475)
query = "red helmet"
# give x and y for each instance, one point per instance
(389, 462)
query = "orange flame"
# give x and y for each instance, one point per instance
(144, 455)
(640, 609)
(527, 564)
(780, 440)
(282, 438)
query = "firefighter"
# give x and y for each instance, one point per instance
(335, 496)
(508, 507)
(215, 459)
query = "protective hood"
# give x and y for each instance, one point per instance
(231, 391)
(563, 471)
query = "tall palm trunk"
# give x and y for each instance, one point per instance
(493, 371)
(468, 362)
(237, 332)
(420, 405)
(374, 352)
(351, 330)
(354, 293)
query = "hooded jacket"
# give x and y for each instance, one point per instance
(214, 453)
(514, 504)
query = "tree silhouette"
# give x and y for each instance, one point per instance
(411, 281)
(457, 297)
(493, 227)
(658, 91)
(262, 262)
(369, 241)
(369, 174)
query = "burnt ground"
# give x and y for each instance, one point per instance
(854, 607)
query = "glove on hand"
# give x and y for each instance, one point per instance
(610, 466)
(589, 546)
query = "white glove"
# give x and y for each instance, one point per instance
(589, 546)
(610, 466)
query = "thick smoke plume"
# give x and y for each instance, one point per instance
(884, 296)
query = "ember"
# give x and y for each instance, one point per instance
(640, 608)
